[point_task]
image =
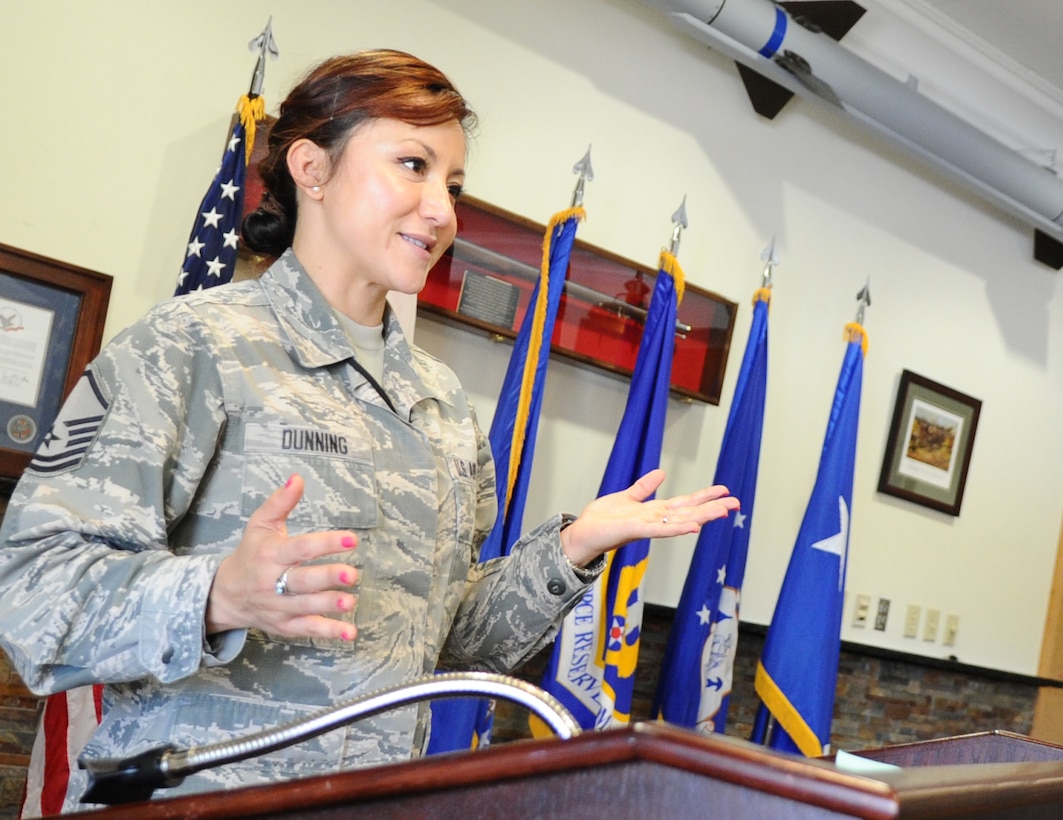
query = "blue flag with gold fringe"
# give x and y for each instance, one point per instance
(515, 425)
(696, 673)
(592, 667)
(798, 670)
(465, 723)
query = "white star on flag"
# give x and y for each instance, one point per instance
(215, 267)
(211, 218)
(740, 520)
(721, 574)
(835, 544)
(704, 614)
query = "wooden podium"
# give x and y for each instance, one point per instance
(657, 771)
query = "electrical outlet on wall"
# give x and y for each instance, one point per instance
(911, 620)
(882, 614)
(861, 609)
(952, 626)
(930, 628)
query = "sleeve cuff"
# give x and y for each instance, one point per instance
(221, 648)
(587, 574)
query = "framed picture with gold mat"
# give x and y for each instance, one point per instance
(930, 441)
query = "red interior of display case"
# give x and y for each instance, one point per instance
(602, 310)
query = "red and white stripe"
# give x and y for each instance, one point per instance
(68, 721)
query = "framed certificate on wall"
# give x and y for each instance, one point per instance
(51, 325)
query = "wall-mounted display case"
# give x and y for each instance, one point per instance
(485, 282)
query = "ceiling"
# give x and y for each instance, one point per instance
(1025, 31)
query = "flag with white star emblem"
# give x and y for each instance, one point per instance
(210, 256)
(798, 669)
(695, 681)
(592, 668)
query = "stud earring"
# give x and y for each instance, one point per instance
(316, 189)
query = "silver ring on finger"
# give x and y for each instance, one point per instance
(664, 520)
(281, 585)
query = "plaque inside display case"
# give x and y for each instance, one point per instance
(485, 281)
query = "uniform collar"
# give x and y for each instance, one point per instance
(318, 340)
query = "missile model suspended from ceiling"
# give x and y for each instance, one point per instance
(792, 48)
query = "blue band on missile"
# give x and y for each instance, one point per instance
(777, 36)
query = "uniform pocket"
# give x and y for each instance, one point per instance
(336, 468)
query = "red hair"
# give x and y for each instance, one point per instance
(327, 106)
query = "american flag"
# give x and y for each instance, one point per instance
(67, 723)
(210, 258)
(70, 718)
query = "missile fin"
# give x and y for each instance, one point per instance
(767, 97)
(1047, 249)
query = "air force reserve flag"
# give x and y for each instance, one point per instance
(798, 670)
(695, 682)
(592, 669)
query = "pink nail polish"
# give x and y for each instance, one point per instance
(289, 482)
(345, 578)
(349, 542)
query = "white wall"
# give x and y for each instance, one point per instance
(114, 115)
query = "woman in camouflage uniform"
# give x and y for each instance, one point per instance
(262, 499)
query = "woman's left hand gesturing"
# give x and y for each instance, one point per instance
(613, 520)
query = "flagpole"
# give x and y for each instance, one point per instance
(265, 44)
(679, 222)
(539, 320)
(863, 299)
(214, 242)
(592, 667)
(763, 724)
(697, 670)
(797, 693)
(771, 259)
(461, 724)
(586, 174)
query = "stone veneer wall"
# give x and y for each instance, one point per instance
(18, 723)
(880, 701)
(882, 698)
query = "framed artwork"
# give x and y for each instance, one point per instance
(929, 448)
(485, 281)
(51, 326)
